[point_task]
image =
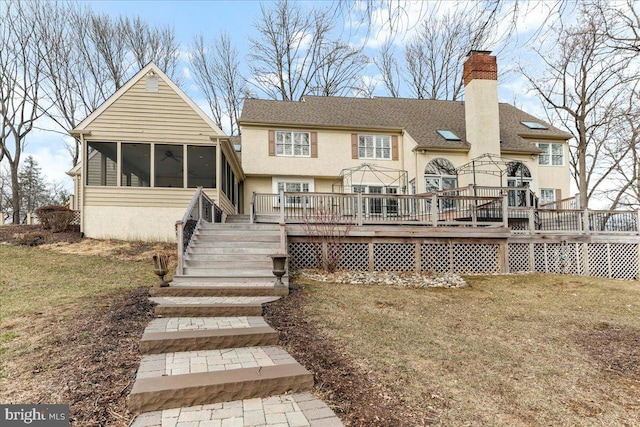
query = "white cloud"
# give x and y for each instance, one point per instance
(186, 73)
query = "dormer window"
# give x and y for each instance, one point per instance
(448, 135)
(535, 125)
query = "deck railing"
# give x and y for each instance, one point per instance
(451, 207)
(457, 207)
(201, 208)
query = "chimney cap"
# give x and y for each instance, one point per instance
(477, 51)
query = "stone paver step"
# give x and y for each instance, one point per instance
(204, 290)
(295, 410)
(165, 342)
(210, 306)
(177, 324)
(203, 387)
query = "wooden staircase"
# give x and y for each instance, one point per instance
(210, 343)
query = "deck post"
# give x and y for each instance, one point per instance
(531, 213)
(252, 208)
(637, 221)
(434, 210)
(505, 211)
(585, 222)
(200, 207)
(360, 209)
(179, 238)
(281, 206)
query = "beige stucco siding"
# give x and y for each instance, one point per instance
(334, 154)
(135, 213)
(141, 116)
(131, 223)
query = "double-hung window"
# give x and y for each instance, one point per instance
(294, 144)
(374, 147)
(552, 154)
(293, 187)
(547, 195)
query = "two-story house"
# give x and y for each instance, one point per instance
(409, 146)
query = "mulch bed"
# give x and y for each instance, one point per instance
(33, 235)
(88, 361)
(356, 396)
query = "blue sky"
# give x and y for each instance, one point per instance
(237, 17)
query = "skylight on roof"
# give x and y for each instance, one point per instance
(534, 125)
(448, 135)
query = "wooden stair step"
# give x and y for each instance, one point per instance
(208, 339)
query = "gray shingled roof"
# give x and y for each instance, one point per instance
(419, 117)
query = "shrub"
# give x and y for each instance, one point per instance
(55, 217)
(32, 239)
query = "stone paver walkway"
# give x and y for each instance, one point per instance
(295, 410)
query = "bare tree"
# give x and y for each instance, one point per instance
(585, 82)
(287, 54)
(20, 86)
(151, 44)
(88, 56)
(621, 24)
(434, 56)
(340, 73)
(388, 67)
(215, 68)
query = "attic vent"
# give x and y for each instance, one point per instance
(534, 125)
(151, 83)
(448, 135)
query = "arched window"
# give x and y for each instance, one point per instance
(518, 175)
(439, 174)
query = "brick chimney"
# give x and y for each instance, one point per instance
(480, 73)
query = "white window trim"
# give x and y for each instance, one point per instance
(553, 195)
(375, 136)
(551, 144)
(292, 132)
(290, 179)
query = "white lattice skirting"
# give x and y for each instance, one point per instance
(613, 260)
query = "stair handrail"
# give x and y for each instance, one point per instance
(201, 208)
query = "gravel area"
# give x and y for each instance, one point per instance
(389, 278)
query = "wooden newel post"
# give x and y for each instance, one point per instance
(505, 210)
(585, 222)
(180, 238)
(281, 206)
(434, 210)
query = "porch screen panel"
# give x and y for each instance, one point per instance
(102, 166)
(202, 166)
(168, 161)
(136, 165)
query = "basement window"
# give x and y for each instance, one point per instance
(535, 125)
(448, 135)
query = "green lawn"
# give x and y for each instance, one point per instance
(522, 350)
(34, 280)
